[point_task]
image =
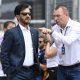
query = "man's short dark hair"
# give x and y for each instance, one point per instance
(20, 7)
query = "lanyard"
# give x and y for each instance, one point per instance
(63, 47)
(65, 31)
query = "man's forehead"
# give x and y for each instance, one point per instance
(58, 11)
(26, 10)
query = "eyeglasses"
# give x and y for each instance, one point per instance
(24, 14)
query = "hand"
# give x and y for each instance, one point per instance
(45, 30)
(48, 37)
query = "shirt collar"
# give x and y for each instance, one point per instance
(23, 28)
(68, 24)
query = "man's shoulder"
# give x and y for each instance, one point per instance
(55, 27)
(34, 29)
(74, 22)
(75, 25)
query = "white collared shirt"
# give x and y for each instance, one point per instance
(71, 41)
(29, 59)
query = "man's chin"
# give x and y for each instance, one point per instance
(58, 24)
(27, 22)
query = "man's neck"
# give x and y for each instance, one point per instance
(25, 25)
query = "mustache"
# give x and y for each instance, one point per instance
(27, 18)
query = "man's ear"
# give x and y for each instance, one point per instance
(17, 16)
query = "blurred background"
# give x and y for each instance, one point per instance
(41, 11)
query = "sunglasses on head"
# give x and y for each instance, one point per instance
(24, 14)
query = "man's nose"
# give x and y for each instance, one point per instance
(55, 18)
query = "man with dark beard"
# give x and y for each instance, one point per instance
(19, 51)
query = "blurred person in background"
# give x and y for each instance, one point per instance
(47, 51)
(42, 60)
(7, 25)
(19, 50)
(53, 59)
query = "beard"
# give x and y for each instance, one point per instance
(25, 21)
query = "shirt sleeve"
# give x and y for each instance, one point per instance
(73, 35)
